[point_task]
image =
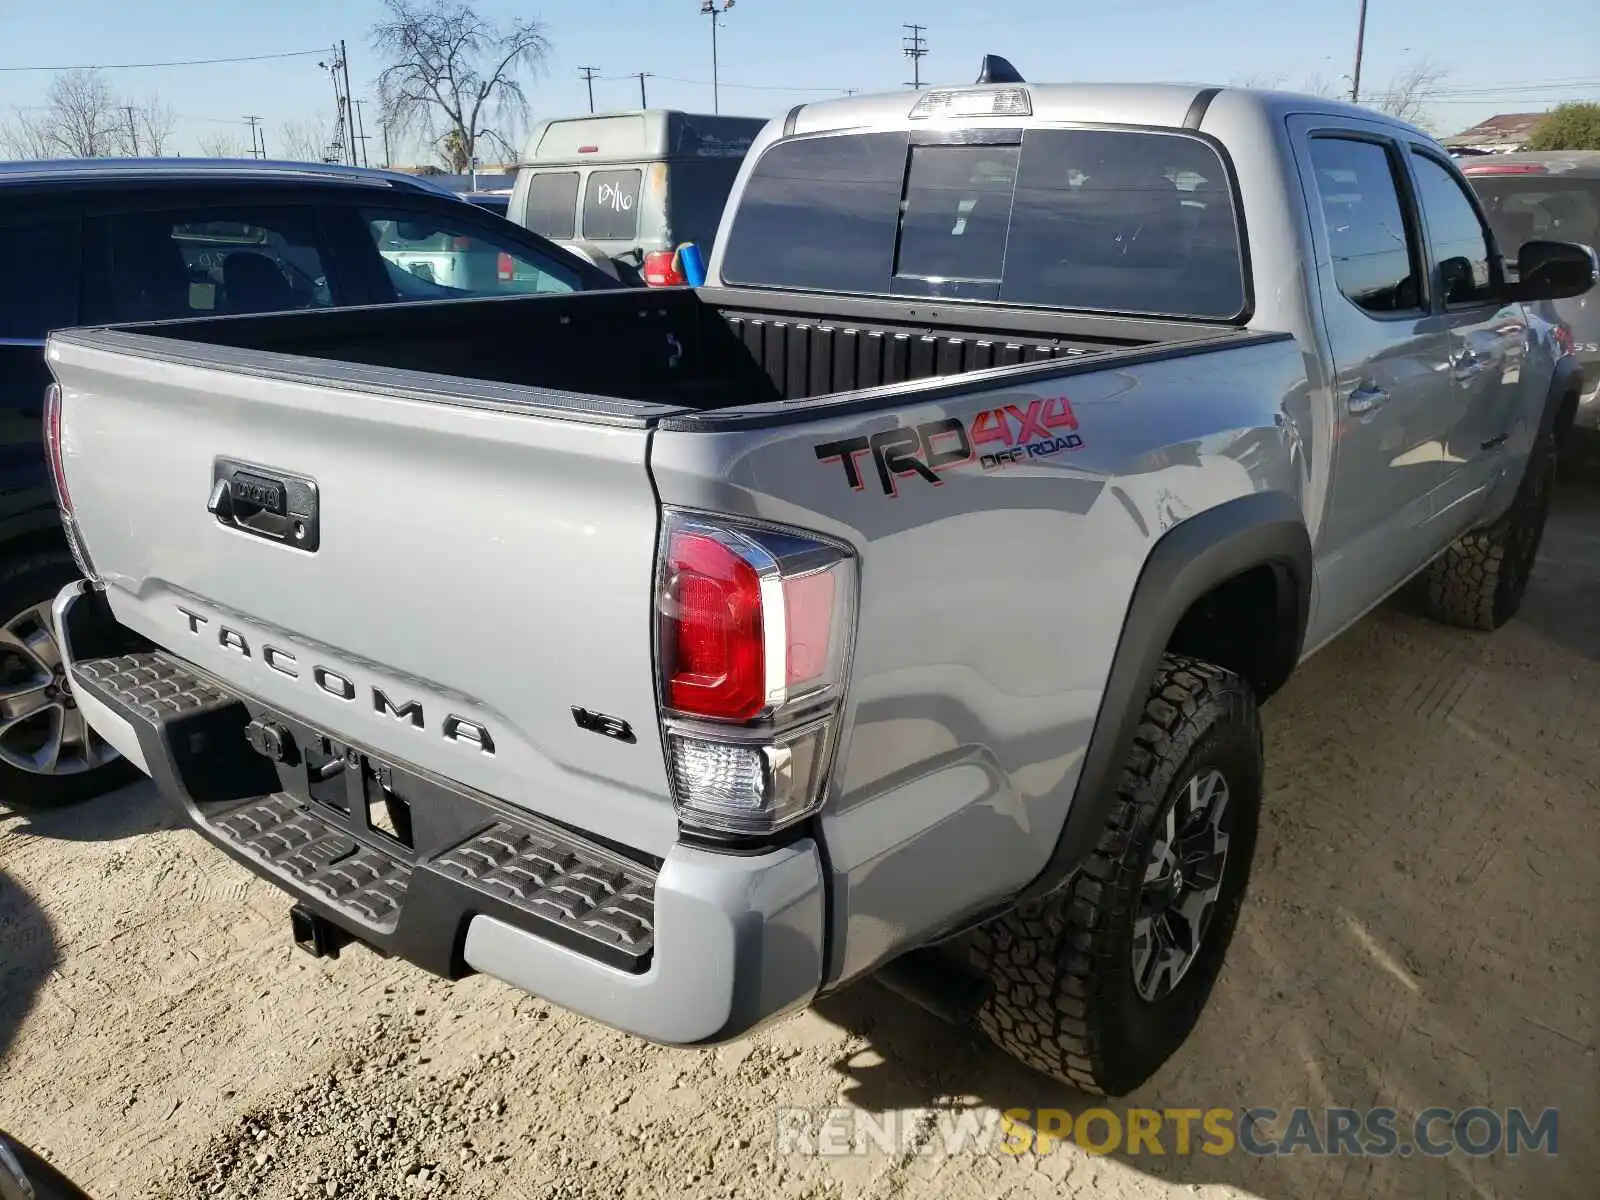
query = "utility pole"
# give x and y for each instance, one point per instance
(1361, 39)
(253, 122)
(133, 131)
(344, 65)
(383, 123)
(588, 77)
(715, 10)
(641, 76)
(340, 144)
(361, 133)
(916, 47)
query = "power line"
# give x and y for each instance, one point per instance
(916, 48)
(186, 62)
(747, 87)
(641, 76)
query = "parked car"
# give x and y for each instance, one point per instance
(499, 203)
(1554, 195)
(631, 186)
(100, 241)
(899, 602)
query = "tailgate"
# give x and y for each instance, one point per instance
(473, 573)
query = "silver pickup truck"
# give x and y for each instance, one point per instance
(900, 602)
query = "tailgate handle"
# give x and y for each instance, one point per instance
(266, 503)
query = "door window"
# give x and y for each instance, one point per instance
(432, 257)
(1374, 248)
(41, 278)
(175, 264)
(1462, 262)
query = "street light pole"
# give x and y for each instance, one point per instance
(1361, 38)
(714, 9)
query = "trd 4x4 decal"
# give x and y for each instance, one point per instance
(1011, 435)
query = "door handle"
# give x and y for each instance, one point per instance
(1366, 398)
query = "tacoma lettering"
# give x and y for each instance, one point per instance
(334, 683)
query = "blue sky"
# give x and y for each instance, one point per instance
(775, 53)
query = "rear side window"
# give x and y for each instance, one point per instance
(552, 208)
(1374, 249)
(41, 278)
(611, 205)
(1131, 222)
(1539, 208)
(199, 263)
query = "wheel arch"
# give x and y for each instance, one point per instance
(1261, 535)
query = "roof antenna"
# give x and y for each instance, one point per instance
(998, 70)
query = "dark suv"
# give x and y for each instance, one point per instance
(89, 242)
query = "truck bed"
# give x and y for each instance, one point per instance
(675, 349)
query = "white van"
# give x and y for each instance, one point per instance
(626, 184)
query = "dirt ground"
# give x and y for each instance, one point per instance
(1422, 930)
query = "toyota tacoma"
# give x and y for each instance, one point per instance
(902, 601)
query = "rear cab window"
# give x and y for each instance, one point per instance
(1139, 222)
(1538, 207)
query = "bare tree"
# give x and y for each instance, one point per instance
(82, 117)
(1318, 84)
(223, 144)
(450, 71)
(310, 140)
(27, 135)
(154, 122)
(1410, 90)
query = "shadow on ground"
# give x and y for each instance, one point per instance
(1423, 927)
(27, 956)
(126, 813)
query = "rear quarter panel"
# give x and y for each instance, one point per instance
(991, 606)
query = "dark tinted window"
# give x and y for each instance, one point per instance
(1374, 253)
(820, 214)
(611, 205)
(1117, 222)
(552, 204)
(1459, 241)
(430, 257)
(1124, 222)
(956, 214)
(1532, 208)
(199, 263)
(41, 278)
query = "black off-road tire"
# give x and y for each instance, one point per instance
(1479, 582)
(1065, 1001)
(26, 582)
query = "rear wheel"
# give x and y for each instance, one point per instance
(49, 757)
(1479, 582)
(1099, 984)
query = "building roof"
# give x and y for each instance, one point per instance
(1510, 130)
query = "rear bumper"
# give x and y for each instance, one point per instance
(696, 948)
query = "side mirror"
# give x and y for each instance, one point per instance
(1554, 271)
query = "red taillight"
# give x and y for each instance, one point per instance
(506, 268)
(588, 149)
(462, 244)
(756, 626)
(52, 441)
(713, 640)
(1565, 345)
(661, 269)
